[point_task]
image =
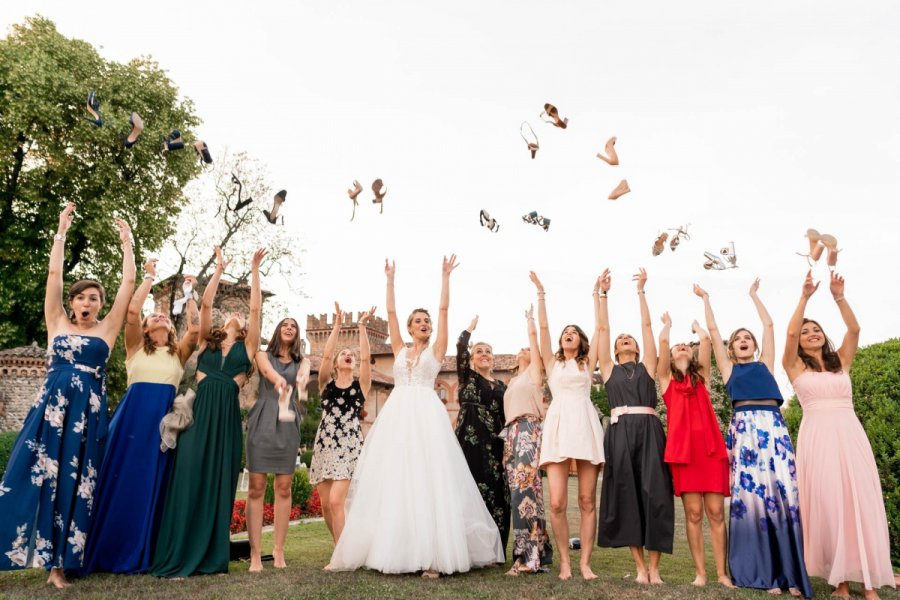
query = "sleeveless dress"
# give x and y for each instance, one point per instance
(413, 504)
(194, 536)
(571, 428)
(522, 405)
(47, 493)
(636, 503)
(271, 444)
(129, 498)
(765, 541)
(845, 533)
(339, 438)
(695, 449)
(478, 426)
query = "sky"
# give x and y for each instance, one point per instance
(751, 122)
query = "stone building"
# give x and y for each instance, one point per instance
(22, 371)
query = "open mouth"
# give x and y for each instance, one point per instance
(85, 314)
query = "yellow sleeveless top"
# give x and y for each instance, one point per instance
(159, 367)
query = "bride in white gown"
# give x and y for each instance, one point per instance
(413, 505)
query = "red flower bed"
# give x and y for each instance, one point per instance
(314, 505)
(239, 515)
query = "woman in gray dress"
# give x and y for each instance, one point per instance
(273, 439)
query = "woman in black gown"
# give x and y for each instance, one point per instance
(636, 499)
(480, 421)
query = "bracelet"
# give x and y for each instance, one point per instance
(640, 291)
(150, 277)
(59, 237)
(836, 299)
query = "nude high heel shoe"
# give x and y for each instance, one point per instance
(660, 244)
(830, 243)
(815, 247)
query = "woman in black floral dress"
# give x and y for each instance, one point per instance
(480, 421)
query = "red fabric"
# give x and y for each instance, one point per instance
(695, 449)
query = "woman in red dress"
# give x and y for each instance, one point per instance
(695, 449)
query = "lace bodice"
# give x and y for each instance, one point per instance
(421, 373)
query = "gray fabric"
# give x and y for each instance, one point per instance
(272, 445)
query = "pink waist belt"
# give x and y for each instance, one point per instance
(629, 410)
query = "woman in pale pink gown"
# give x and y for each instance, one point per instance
(845, 531)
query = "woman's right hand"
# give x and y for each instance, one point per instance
(700, 291)
(65, 218)
(529, 316)
(389, 269)
(150, 267)
(809, 288)
(280, 384)
(472, 325)
(666, 319)
(221, 263)
(603, 282)
(537, 282)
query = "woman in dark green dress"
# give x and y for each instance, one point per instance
(194, 533)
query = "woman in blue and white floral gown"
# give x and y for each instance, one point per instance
(47, 492)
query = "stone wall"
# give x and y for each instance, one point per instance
(22, 371)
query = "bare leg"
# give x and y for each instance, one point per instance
(558, 480)
(715, 513)
(255, 496)
(339, 489)
(282, 516)
(58, 579)
(587, 504)
(324, 498)
(655, 579)
(637, 553)
(842, 590)
(693, 517)
(870, 594)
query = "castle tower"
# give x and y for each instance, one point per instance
(319, 328)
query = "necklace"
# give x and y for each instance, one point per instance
(629, 376)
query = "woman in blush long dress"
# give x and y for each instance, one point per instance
(47, 492)
(845, 531)
(413, 505)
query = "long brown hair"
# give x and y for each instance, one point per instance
(584, 346)
(829, 356)
(150, 346)
(693, 369)
(215, 338)
(274, 347)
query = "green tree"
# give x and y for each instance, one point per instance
(310, 421)
(51, 154)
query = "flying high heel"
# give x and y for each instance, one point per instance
(531, 217)
(611, 157)
(380, 193)
(620, 190)
(553, 113)
(202, 151)
(533, 143)
(172, 142)
(272, 216)
(285, 414)
(488, 222)
(137, 126)
(660, 244)
(240, 190)
(353, 193)
(830, 242)
(815, 247)
(93, 106)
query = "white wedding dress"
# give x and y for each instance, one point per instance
(413, 505)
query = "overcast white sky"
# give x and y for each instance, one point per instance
(750, 121)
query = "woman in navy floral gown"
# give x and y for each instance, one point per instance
(47, 492)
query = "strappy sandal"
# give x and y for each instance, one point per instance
(137, 126)
(680, 233)
(830, 243)
(93, 106)
(272, 216)
(240, 203)
(729, 254)
(531, 217)
(611, 157)
(815, 247)
(553, 113)
(620, 190)
(487, 221)
(713, 262)
(380, 193)
(353, 193)
(660, 244)
(544, 222)
(533, 146)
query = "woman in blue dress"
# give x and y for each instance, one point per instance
(765, 547)
(128, 501)
(47, 493)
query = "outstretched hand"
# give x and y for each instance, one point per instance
(754, 287)
(809, 288)
(603, 282)
(150, 267)
(836, 285)
(364, 318)
(258, 257)
(666, 320)
(124, 231)
(537, 282)
(700, 291)
(529, 316)
(449, 264)
(66, 217)
(641, 278)
(221, 263)
(697, 329)
(390, 268)
(472, 325)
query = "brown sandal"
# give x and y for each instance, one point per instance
(553, 113)
(533, 146)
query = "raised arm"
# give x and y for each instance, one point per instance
(848, 348)
(703, 354)
(393, 323)
(440, 340)
(535, 367)
(601, 325)
(462, 353)
(268, 371)
(664, 364)
(134, 336)
(112, 322)
(254, 323)
(649, 343)
(54, 310)
(365, 355)
(547, 357)
(327, 366)
(302, 380)
(718, 346)
(767, 351)
(209, 296)
(790, 360)
(188, 342)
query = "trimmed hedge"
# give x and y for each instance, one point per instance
(301, 489)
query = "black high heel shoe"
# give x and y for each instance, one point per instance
(173, 141)
(137, 126)
(487, 221)
(240, 203)
(272, 216)
(202, 151)
(93, 106)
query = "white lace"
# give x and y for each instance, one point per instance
(416, 372)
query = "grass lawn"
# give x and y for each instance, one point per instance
(309, 547)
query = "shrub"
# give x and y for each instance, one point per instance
(300, 488)
(7, 439)
(314, 505)
(306, 458)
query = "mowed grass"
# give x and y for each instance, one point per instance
(309, 548)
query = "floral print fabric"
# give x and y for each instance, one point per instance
(532, 550)
(47, 492)
(339, 438)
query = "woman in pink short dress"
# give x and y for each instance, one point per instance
(845, 531)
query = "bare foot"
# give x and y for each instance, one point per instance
(842, 590)
(430, 574)
(795, 592)
(255, 564)
(620, 190)
(611, 157)
(655, 579)
(699, 580)
(775, 591)
(586, 573)
(725, 580)
(642, 578)
(58, 579)
(513, 572)
(565, 571)
(870, 594)
(278, 559)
